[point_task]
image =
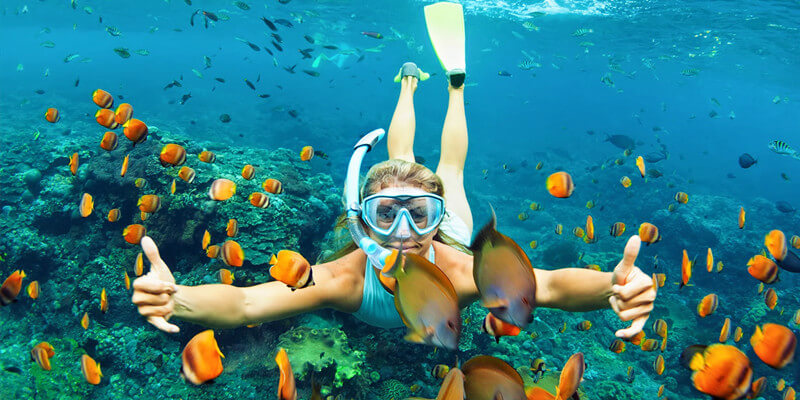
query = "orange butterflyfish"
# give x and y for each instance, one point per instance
(682, 197)
(225, 276)
(213, 251)
(559, 228)
(86, 205)
(134, 233)
(774, 344)
(775, 242)
(795, 241)
(91, 370)
(741, 217)
(291, 268)
(571, 376)
(660, 391)
(138, 265)
(640, 165)
(589, 228)
(719, 266)
(497, 328)
(720, 370)
(287, 389)
(661, 279)
(85, 321)
(109, 141)
(73, 163)
(725, 332)
(124, 113)
(658, 364)
(306, 153)
(172, 187)
(103, 301)
(638, 338)
(102, 98)
(124, 169)
(762, 268)
(172, 154)
(593, 267)
(201, 358)
(222, 189)
(273, 186)
(664, 344)
(51, 115)
(233, 228)
(649, 344)
(757, 387)
(686, 269)
(625, 182)
(187, 174)
(617, 229)
(140, 182)
(709, 260)
(707, 305)
(232, 254)
(149, 203)
(737, 334)
(42, 353)
(584, 325)
(144, 215)
(560, 184)
(135, 130)
(33, 290)
(127, 280)
(207, 156)
(11, 287)
(660, 327)
(259, 199)
(649, 233)
(760, 287)
(789, 394)
(248, 171)
(206, 239)
(796, 317)
(617, 346)
(780, 385)
(771, 298)
(106, 118)
(578, 232)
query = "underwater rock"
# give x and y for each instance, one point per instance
(32, 179)
(560, 254)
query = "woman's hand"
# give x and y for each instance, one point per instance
(633, 292)
(152, 292)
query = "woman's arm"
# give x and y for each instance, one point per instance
(224, 306)
(573, 289)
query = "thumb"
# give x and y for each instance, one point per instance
(157, 265)
(161, 323)
(625, 266)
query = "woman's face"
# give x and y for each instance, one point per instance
(404, 238)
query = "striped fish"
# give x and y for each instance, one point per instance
(780, 147)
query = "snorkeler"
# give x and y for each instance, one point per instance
(404, 206)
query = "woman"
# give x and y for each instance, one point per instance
(397, 188)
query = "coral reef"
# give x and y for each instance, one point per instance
(312, 349)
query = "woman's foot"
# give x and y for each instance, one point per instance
(410, 70)
(456, 78)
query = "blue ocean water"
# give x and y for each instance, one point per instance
(704, 81)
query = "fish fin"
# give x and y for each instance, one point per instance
(414, 337)
(484, 234)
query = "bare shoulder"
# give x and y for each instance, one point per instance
(451, 261)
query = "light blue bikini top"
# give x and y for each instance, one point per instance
(377, 304)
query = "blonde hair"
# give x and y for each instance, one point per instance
(391, 173)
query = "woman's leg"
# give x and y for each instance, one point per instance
(401, 130)
(453, 156)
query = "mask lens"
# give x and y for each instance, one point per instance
(422, 212)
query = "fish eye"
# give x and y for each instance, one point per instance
(451, 325)
(525, 301)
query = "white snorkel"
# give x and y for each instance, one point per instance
(375, 252)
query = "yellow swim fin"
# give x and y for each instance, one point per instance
(445, 23)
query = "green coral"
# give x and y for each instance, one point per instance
(313, 349)
(393, 389)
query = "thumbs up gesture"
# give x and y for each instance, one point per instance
(152, 292)
(633, 292)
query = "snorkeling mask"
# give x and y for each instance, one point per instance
(385, 213)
